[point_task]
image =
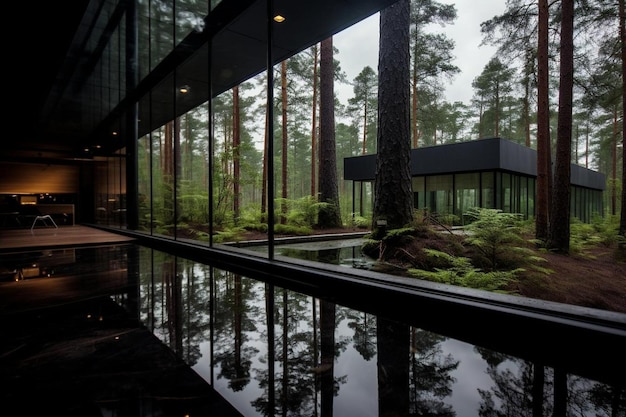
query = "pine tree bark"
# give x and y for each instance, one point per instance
(314, 126)
(264, 174)
(283, 87)
(622, 31)
(393, 201)
(543, 126)
(328, 216)
(560, 213)
(236, 154)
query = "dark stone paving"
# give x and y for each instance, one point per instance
(89, 358)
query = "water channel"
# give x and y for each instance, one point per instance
(272, 350)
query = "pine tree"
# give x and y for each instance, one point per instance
(393, 201)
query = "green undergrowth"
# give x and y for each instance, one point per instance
(490, 253)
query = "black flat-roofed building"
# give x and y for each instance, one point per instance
(490, 173)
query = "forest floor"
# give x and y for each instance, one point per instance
(594, 278)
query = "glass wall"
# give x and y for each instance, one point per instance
(234, 164)
(110, 191)
(586, 203)
(467, 193)
(505, 191)
(488, 189)
(440, 194)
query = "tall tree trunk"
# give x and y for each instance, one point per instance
(363, 152)
(283, 88)
(543, 126)
(329, 215)
(576, 137)
(314, 126)
(560, 213)
(188, 173)
(480, 119)
(168, 173)
(527, 78)
(497, 121)
(414, 91)
(622, 30)
(614, 161)
(364, 128)
(393, 347)
(393, 201)
(177, 176)
(236, 154)
(264, 174)
(414, 106)
(327, 356)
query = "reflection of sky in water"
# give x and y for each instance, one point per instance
(241, 400)
(358, 391)
(357, 397)
(470, 376)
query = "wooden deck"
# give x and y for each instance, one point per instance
(49, 237)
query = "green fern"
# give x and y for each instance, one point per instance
(461, 272)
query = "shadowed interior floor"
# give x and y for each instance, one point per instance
(70, 350)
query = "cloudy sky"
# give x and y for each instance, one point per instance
(358, 46)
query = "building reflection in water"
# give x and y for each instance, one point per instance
(269, 350)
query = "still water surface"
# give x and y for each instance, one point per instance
(270, 350)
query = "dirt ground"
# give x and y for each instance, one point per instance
(592, 279)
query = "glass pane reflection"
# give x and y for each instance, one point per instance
(273, 351)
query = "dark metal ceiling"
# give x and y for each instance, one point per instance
(48, 122)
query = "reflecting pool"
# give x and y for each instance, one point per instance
(343, 252)
(270, 350)
(266, 347)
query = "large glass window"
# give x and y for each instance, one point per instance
(532, 183)
(161, 31)
(488, 189)
(144, 177)
(440, 194)
(467, 189)
(190, 16)
(506, 192)
(232, 164)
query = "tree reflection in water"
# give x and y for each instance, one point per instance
(273, 351)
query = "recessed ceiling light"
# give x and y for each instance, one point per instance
(279, 19)
(184, 89)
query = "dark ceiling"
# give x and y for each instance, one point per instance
(32, 65)
(238, 34)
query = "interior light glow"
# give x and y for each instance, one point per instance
(279, 19)
(184, 89)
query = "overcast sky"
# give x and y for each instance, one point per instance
(358, 47)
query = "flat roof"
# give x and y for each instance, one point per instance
(489, 154)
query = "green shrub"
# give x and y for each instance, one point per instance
(459, 271)
(288, 229)
(601, 231)
(361, 222)
(493, 233)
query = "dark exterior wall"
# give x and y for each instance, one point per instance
(482, 155)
